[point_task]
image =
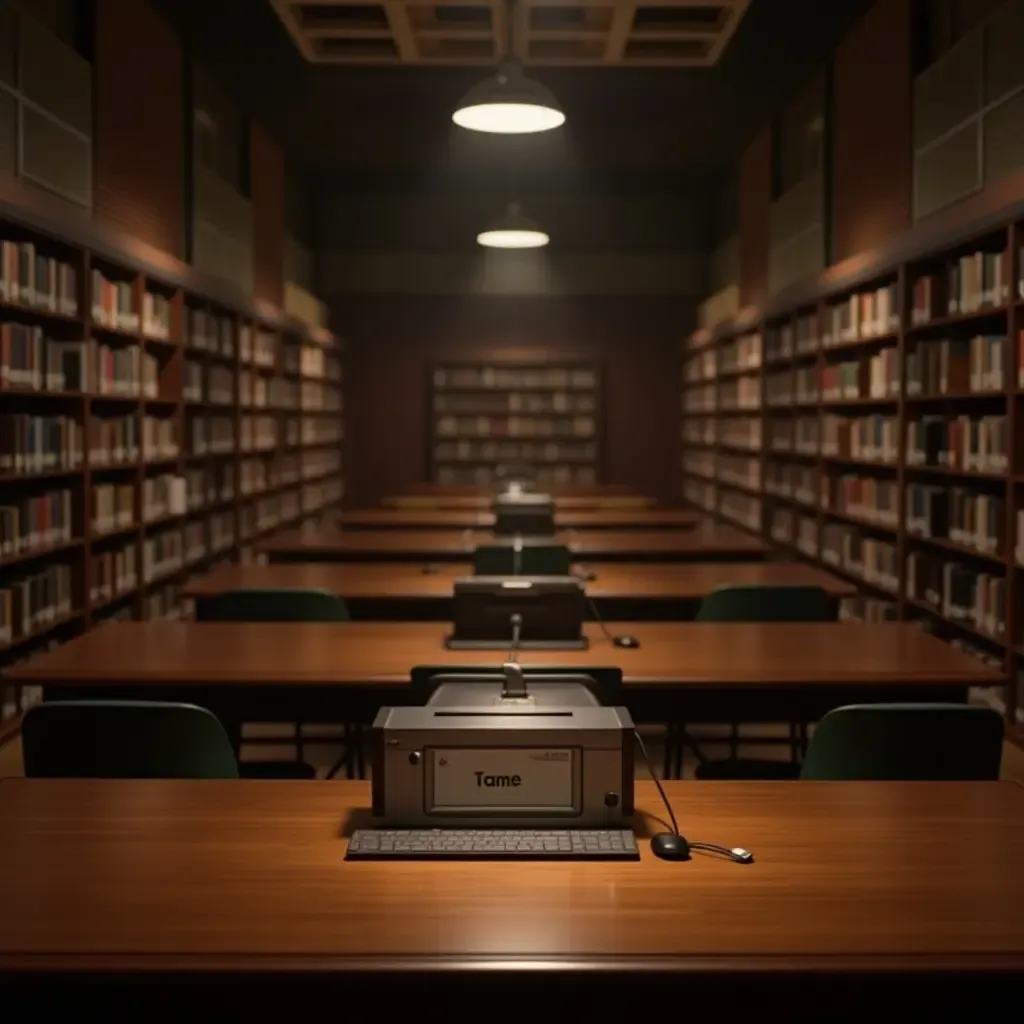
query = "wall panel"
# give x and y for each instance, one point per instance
(140, 127)
(268, 217)
(755, 202)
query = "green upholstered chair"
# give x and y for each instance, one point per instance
(752, 603)
(125, 739)
(274, 604)
(534, 560)
(906, 742)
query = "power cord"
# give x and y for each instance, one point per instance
(734, 853)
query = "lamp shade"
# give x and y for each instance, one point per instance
(509, 103)
(513, 231)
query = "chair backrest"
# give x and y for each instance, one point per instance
(273, 604)
(115, 739)
(534, 560)
(906, 742)
(752, 603)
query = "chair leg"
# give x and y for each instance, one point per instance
(345, 758)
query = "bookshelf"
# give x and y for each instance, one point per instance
(873, 423)
(488, 418)
(150, 427)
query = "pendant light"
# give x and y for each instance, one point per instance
(509, 103)
(513, 231)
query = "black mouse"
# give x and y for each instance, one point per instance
(669, 846)
(429, 570)
(626, 641)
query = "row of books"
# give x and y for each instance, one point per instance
(514, 378)
(703, 495)
(34, 601)
(258, 391)
(320, 494)
(258, 433)
(39, 444)
(164, 603)
(532, 404)
(796, 337)
(209, 484)
(314, 397)
(258, 347)
(973, 282)
(486, 475)
(703, 366)
(322, 430)
(35, 521)
(163, 495)
(790, 480)
(739, 471)
(862, 439)
(270, 512)
(162, 554)
(37, 280)
(258, 475)
(864, 608)
(700, 399)
(967, 518)
(801, 435)
(870, 559)
(740, 508)
(971, 444)
(122, 440)
(786, 526)
(867, 499)
(515, 426)
(211, 435)
(112, 573)
(957, 366)
(156, 316)
(700, 464)
(113, 303)
(739, 393)
(865, 315)
(511, 451)
(113, 507)
(741, 354)
(210, 332)
(958, 592)
(702, 432)
(213, 385)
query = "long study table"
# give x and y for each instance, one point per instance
(482, 502)
(403, 590)
(469, 519)
(170, 893)
(681, 672)
(707, 542)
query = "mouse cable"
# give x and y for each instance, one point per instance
(734, 853)
(597, 616)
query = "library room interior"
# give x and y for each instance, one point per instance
(506, 496)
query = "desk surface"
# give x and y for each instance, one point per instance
(705, 541)
(122, 875)
(692, 655)
(567, 502)
(680, 581)
(469, 519)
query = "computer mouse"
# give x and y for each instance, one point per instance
(669, 846)
(626, 641)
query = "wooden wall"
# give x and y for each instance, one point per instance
(268, 217)
(872, 159)
(755, 207)
(394, 342)
(139, 137)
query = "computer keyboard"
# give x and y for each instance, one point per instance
(492, 844)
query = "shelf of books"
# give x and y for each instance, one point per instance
(146, 433)
(488, 419)
(879, 431)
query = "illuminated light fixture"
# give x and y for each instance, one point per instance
(509, 103)
(513, 231)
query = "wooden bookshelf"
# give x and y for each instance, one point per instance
(873, 423)
(489, 418)
(150, 428)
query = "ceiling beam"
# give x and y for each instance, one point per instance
(618, 33)
(401, 29)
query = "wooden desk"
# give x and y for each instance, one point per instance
(193, 884)
(391, 590)
(456, 519)
(569, 502)
(707, 542)
(687, 672)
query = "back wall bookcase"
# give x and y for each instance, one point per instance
(489, 418)
(150, 427)
(874, 424)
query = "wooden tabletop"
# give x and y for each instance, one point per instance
(707, 542)
(244, 876)
(558, 490)
(483, 519)
(685, 655)
(570, 502)
(642, 581)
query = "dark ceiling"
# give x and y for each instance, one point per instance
(381, 121)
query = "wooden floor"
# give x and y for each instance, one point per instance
(323, 755)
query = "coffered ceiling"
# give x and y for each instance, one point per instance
(560, 33)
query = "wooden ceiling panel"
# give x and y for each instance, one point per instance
(557, 33)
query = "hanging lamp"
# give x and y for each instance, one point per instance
(513, 231)
(509, 102)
